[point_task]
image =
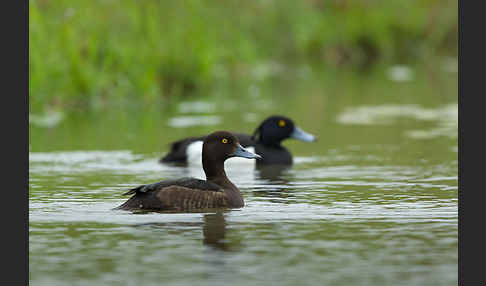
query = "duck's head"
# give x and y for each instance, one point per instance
(222, 145)
(276, 128)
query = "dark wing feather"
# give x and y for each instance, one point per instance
(191, 183)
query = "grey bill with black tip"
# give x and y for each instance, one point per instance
(301, 135)
(244, 153)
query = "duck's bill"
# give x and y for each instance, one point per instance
(301, 135)
(244, 153)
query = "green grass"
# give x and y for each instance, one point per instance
(89, 54)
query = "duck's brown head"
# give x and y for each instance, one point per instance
(221, 145)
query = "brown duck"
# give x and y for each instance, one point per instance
(191, 194)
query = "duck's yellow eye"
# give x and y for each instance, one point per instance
(281, 123)
(224, 140)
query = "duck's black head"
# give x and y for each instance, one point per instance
(275, 129)
(221, 145)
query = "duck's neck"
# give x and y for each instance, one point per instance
(270, 142)
(214, 170)
(215, 173)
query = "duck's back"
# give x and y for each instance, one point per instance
(184, 194)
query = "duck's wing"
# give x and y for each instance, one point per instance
(177, 153)
(191, 183)
(185, 194)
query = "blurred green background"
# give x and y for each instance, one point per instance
(87, 55)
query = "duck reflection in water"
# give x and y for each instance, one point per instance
(213, 228)
(214, 232)
(273, 173)
(276, 186)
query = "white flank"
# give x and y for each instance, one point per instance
(194, 153)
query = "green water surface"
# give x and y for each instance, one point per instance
(372, 202)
